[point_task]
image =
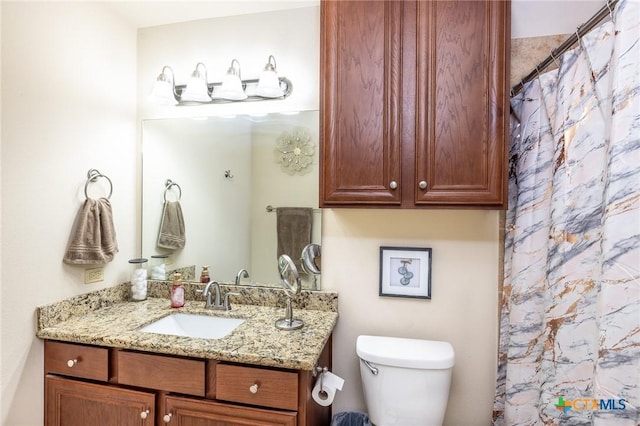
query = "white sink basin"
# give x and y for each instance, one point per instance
(193, 325)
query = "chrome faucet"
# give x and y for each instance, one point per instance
(217, 302)
(212, 302)
(242, 273)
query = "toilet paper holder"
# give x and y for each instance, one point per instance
(320, 370)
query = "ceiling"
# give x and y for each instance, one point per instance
(529, 17)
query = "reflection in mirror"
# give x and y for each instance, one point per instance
(234, 174)
(311, 259)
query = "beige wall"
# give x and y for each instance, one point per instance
(463, 305)
(68, 105)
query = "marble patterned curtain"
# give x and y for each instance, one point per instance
(570, 319)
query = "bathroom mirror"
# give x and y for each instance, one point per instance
(230, 175)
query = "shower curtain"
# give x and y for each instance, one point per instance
(570, 317)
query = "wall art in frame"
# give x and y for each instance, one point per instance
(405, 272)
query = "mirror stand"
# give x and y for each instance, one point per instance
(289, 322)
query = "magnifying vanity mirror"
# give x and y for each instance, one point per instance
(290, 279)
(234, 173)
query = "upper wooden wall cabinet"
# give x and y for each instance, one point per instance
(414, 103)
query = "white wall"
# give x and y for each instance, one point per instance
(68, 105)
(292, 36)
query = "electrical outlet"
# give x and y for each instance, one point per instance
(93, 275)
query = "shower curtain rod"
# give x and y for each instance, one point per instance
(606, 10)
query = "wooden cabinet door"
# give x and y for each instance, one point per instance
(414, 103)
(461, 102)
(191, 412)
(76, 403)
(360, 111)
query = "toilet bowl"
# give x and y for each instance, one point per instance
(405, 381)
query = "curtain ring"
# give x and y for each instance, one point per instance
(610, 11)
(578, 36)
(554, 59)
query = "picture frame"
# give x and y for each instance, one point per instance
(405, 272)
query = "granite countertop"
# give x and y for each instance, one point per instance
(256, 341)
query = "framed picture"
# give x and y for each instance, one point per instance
(405, 272)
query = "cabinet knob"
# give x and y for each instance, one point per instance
(423, 184)
(253, 388)
(144, 414)
(393, 184)
(167, 417)
(72, 362)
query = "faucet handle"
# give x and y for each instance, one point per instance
(227, 305)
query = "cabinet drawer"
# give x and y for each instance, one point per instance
(160, 372)
(257, 386)
(69, 359)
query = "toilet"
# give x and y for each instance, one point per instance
(405, 381)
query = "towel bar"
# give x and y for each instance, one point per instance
(271, 209)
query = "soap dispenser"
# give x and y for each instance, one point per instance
(204, 276)
(177, 291)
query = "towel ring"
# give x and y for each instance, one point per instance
(92, 176)
(168, 185)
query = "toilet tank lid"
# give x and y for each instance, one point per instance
(403, 352)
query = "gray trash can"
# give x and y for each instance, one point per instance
(350, 418)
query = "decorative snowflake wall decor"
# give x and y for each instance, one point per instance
(294, 151)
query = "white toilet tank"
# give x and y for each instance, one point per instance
(411, 387)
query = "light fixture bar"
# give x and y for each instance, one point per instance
(285, 83)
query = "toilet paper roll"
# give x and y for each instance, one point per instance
(323, 396)
(324, 390)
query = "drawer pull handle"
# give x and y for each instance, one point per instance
(144, 414)
(72, 362)
(167, 417)
(393, 184)
(253, 388)
(423, 184)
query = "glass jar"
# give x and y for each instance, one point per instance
(138, 279)
(158, 267)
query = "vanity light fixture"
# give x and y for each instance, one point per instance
(232, 88)
(269, 85)
(197, 89)
(164, 89)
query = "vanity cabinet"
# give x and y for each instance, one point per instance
(191, 412)
(88, 385)
(414, 102)
(78, 403)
